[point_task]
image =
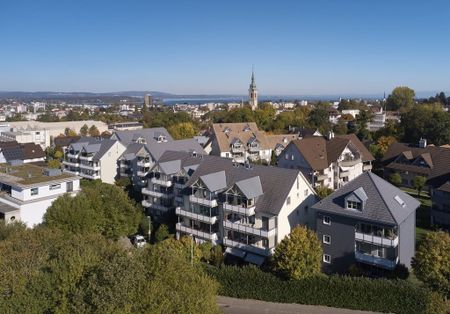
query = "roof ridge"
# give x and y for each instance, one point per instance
(370, 174)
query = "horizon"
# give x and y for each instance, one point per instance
(315, 49)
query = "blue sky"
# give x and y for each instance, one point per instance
(208, 47)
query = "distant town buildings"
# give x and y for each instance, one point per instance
(148, 100)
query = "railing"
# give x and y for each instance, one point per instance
(160, 207)
(75, 156)
(86, 157)
(143, 163)
(237, 149)
(166, 183)
(254, 149)
(248, 229)
(367, 167)
(349, 162)
(179, 185)
(203, 201)
(197, 233)
(89, 176)
(248, 247)
(369, 238)
(203, 218)
(72, 171)
(153, 193)
(344, 174)
(375, 260)
(141, 173)
(321, 177)
(90, 167)
(70, 163)
(248, 211)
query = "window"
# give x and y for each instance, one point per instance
(326, 220)
(34, 191)
(292, 157)
(306, 192)
(326, 239)
(326, 258)
(286, 156)
(353, 205)
(55, 186)
(288, 201)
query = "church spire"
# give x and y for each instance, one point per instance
(253, 92)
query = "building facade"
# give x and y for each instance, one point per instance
(440, 210)
(369, 222)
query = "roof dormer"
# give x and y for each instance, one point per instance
(356, 200)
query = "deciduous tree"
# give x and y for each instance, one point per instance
(419, 183)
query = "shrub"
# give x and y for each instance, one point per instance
(359, 293)
(162, 233)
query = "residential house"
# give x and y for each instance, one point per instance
(367, 221)
(94, 159)
(330, 162)
(248, 209)
(440, 210)
(13, 152)
(26, 191)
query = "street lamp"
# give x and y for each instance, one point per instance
(149, 227)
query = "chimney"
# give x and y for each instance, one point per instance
(423, 143)
(330, 135)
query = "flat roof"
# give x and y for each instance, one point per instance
(27, 175)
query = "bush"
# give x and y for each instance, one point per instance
(380, 295)
(162, 233)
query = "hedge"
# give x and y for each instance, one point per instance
(359, 293)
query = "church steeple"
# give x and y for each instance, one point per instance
(253, 93)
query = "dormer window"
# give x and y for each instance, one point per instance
(247, 129)
(354, 205)
(226, 130)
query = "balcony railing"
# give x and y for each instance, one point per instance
(254, 149)
(375, 260)
(237, 226)
(153, 193)
(197, 233)
(203, 201)
(369, 238)
(143, 163)
(89, 167)
(70, 163)
(203, 218)
(89, 176)
(349, 162)
(142, 173)
(344, 174)
(86, 157)
(321, 177)
(239, 149)
(248, 211)
(163, 182)
(179, 185)
(148, 204)
(75, 172)
(248, 247)
(72, 155)
(367, 167)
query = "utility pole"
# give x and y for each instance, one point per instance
(149, 227)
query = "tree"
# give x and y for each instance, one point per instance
(182, 130)
(432, 261)
(419, 183)
(323, 191)
(54, 164)
(395, 179)
(299, 255)
(319, 118)
(84, 130)
(93, 131)
(162, 233)
(384, 142)
(401, 99)
(69, 132)
(98, 208)
(58, 154)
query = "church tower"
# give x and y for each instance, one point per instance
(253, 93)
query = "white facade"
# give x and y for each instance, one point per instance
(56, 128)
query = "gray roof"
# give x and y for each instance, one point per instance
(216, 181)
(275, 182)
(96, 146)
(188, 145)
(170, 167)
(250, 187)
(381, 206)
(126, 137)
(131, 151)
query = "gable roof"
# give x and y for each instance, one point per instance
(228, 133)
(64, 141)
(24, 151)
(187, 145)
(382, 204)
(98, 147)
(149, 134)
(250, 187)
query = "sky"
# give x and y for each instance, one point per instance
(320, 47)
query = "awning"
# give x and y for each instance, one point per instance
(255, 259)
(235, 252)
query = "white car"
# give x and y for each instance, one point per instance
(138, 241)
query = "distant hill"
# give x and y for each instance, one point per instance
(53, 95)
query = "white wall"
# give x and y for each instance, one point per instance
(108, 163)
(43, 191)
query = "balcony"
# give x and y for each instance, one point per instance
(88, 158)
(142, 173)
(143, 163)
(367, 167)
(368, 238)
(246, 228)
(247, 211)
(344, 174)
(178, 185)
(70, 163)
(148, 204)
(321, 177)
(75, 172)
(239, 149)
(153, 193)
(376, 261)
(90, 166)
(349, 162)
(203, 218)
(89, 176)
(72, 155)
(213, 237)
(203, 201)
(254, 149)
(248, 247)
(162, 182)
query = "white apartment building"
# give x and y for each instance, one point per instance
(94, 159)
(331, 162)
(248, 209)
(26, 191)
(27, 135)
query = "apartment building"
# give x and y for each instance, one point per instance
(248, 209)
(144, 148)
(244, 141)
(331, 162)
(367, 221)
(93, 159)
(26, 191)
(25, 135)
(440, 210)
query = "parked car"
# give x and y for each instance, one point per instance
(138, 241)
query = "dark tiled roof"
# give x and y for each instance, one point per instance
(381, 205)
(276, 182)
(445, 187)
(128, 136)
(23, 152)
(366, 155)
(32, 151)
(64, 141)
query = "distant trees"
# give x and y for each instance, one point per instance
(432, 261)
(182, 130)
(381, 146)
(84, 130)
(299, 255)
(319, 118)
(98, 208)
(401, 99)
(93, 131)
(395, 179)
(69, 132)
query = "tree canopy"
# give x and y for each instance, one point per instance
(299, 255)
(401, 99)
(182, 130)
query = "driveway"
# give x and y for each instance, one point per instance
(247, 306)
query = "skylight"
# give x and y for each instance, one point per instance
(400, 201)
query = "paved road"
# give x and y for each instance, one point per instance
(246, 306)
